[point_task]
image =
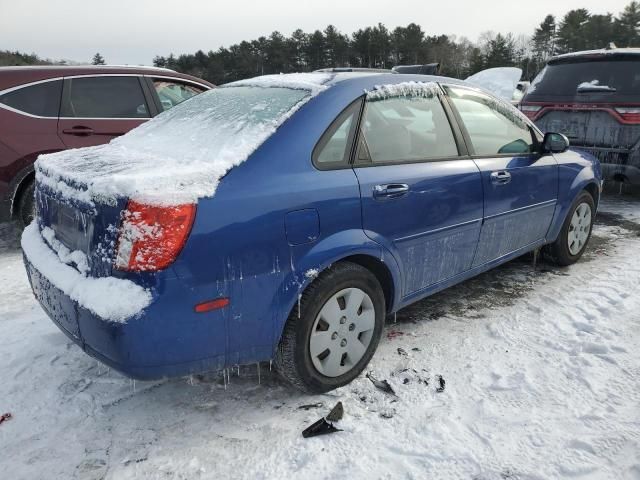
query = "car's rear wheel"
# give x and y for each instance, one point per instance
(26, 204)
(331, 336)
(575, 233)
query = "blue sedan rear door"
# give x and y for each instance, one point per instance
(520, 185)
(420, 197)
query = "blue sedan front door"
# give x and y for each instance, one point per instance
(520, 186)
(420, 199)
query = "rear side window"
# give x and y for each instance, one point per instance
(104, 97)
(42, 99)
(172, 93)
(405, 129)
(605, 80)
(333, 148)
(494, 128)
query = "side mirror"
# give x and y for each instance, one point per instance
(555, 143)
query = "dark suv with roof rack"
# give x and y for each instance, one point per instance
(52, 108)
(593, 97)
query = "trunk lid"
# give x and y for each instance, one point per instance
(83, 232)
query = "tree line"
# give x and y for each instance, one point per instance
(380, 47)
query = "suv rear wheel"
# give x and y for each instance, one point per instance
(331, 336)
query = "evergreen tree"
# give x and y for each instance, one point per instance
(544, 40)
(98, 59)
(627, 26)
(599, 31)
(502, 52)
(571, 33)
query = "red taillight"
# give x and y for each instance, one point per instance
(530, 111)
(151, 237)
(629, 114)
(211, 305)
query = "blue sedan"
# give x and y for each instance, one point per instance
(285, 217)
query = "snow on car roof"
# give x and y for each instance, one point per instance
(403, 89)
(314, 82)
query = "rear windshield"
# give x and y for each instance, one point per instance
(610, 80)
(228, 122)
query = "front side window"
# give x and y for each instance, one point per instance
(405, 129)
(104, 97)
(41, 99)
(172, 93)
(494, 127)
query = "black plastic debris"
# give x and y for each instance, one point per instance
(381, 384)
(336, 413)
(415, 349)
(321, 427)
(440, 387)
(4, 417)
(311, 405)
(405, 381)
(402, 351)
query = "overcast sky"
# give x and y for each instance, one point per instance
(134, 31)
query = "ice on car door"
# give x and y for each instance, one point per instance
(419, 197)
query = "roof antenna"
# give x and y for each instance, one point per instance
(611, 46)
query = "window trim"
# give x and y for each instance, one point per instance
(66, 93)
(351, 140)
(533, 130)
(458, 138)
(30, 84)
(153, 93)
(64, 77)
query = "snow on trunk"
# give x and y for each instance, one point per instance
(94, 294)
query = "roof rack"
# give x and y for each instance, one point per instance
(131, 66)
(352, 69)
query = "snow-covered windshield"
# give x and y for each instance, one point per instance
(180, 155)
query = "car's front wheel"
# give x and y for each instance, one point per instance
(331, 336)
(575, 233)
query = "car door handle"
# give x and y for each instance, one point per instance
(391, 190)
(500, 178)
(79, 131)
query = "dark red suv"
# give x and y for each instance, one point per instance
(52, 108)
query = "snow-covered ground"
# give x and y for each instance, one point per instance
(542, 371)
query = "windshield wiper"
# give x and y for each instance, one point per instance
(588, 88)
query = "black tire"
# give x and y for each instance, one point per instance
(293, 358)
(26, 204)
(558, 251)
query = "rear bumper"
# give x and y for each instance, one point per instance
(135, 348)
(617, 164)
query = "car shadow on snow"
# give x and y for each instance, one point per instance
(9, 237)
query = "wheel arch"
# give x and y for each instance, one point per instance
(584, 182)
(364, 252)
